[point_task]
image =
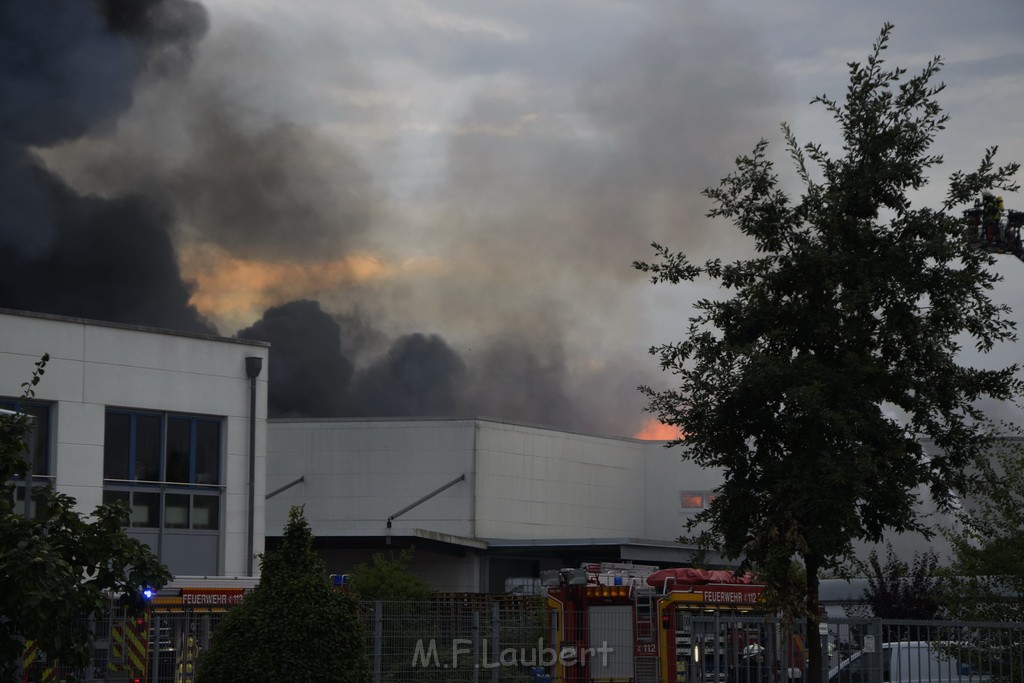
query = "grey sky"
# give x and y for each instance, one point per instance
(502, 163)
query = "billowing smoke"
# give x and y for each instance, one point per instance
(67, 69)
(153, 178)
(321, 366)
(309, 375)
(419, 375)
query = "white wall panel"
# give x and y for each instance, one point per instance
(30, 336)
(538, 483)
(96, 365)
(667, 476)
(79, 423)
(357, 473)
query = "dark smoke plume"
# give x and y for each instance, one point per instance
(309, 375)
(313, 361)
(532, 386)
(129, 156)
(68, 68)
(419, 375)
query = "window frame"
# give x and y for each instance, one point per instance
(210, 495)
(165, 417)
(127, 491)
(693, 496)
(19, 405)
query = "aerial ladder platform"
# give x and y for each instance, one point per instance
(993, 228)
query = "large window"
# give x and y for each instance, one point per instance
(166, 467)
(37, 451)
(38, 438)
(135, 448)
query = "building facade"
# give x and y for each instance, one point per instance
(485, 501)
(161, 420)
(481, 500)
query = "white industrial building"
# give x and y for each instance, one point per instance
(172, 423)
(481, 500)
(484, 500)
(163, 420)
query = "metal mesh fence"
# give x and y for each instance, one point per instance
(456, 638)
(498, 639)
(877, 651)
(155, 646)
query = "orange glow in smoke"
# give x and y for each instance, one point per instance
(228, 288)
(655, 430)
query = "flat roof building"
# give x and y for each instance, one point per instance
(482, 500)
(159, 419)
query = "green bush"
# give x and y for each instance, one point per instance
(388, 578)
(293, 627)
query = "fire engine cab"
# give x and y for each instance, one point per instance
(619, 622)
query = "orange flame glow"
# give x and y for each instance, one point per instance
(655, 430)
(237, 289)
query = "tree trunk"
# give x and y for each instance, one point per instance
(814, 672)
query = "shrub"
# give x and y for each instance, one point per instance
(293, 627)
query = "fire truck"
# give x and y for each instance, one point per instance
(160, 640)
(619, 622)
(165, 640)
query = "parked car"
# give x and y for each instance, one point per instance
(907, 662)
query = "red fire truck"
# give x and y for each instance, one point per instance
(638, 624)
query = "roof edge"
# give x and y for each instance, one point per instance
(133, 328)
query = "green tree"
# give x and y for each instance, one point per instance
(813, 384)
(987, 578)
(294, 626)
(986, 582)
(58, 567)
(901, 590)
(409, 617)
(388, 577)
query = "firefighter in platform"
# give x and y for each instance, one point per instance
(991, 207)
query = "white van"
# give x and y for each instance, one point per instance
(906, 662)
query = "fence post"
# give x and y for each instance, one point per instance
(89, 669)
(378, 638)
(495, 640)
(154, 647)
(875, 627)
(476, 646)
(822, 637)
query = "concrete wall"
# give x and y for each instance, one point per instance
(359, 472)
(522, 482)
(666, 477)
(541, 483)
(94, 366)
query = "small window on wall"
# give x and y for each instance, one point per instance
(38, 437)
(205, 512)
(146, 509)
(38, 509)
(144, 506)
(176, 507)
(179, 510)
(692, 500)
